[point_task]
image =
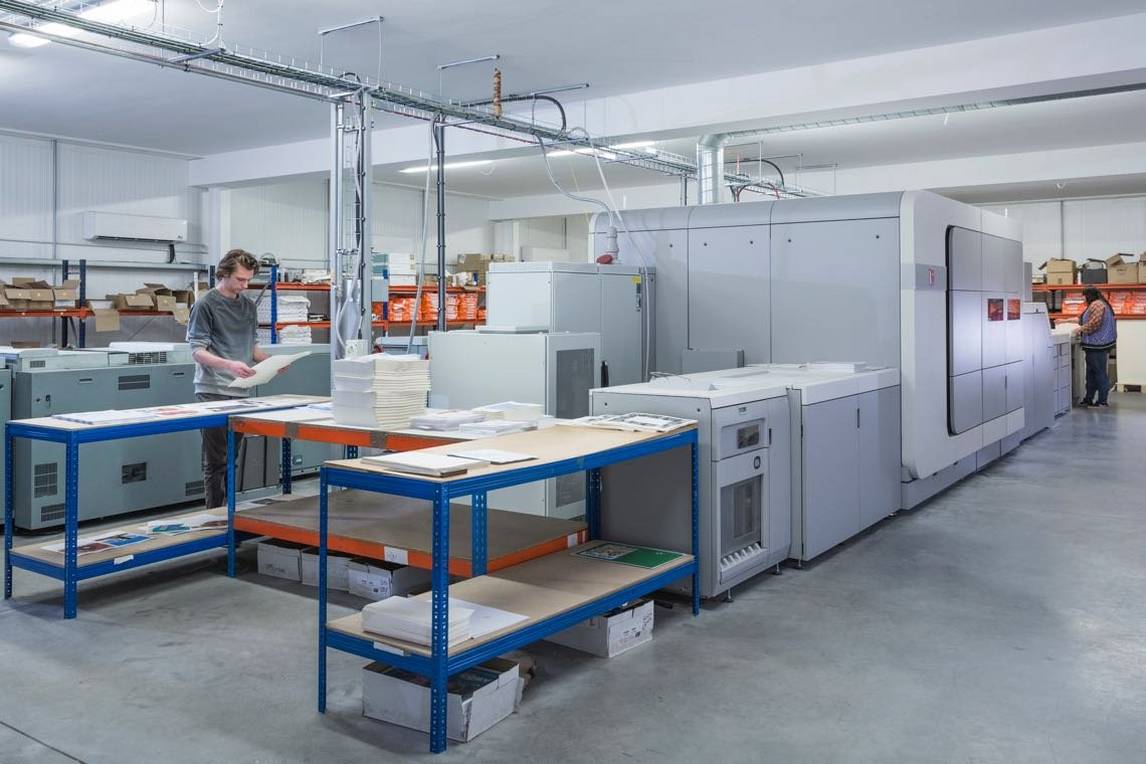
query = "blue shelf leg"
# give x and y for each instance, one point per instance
(593, 502)
(71, 524)
(286, 465)
(479, 558)
(323, 520)
(9, 513)
(695, 528)
(230, 502)
(439, 642)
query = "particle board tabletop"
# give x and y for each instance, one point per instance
(378, 525)
(548, 445)
(37, 552)
(539, 589)
(52, 423)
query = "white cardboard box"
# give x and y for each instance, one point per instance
(337, 571)
(281, 559)
(478, 698)
(611, 634)
(378, 580)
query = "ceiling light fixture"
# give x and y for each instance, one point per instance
(448, 166)
(108, 13)
(607, 156)
(633, 145)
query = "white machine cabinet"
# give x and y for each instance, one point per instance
(476, 368)
(614, 301)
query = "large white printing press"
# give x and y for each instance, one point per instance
(845, 358)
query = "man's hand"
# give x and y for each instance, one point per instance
(240, 370)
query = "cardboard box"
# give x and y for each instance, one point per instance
(137, 301)
(478, 698)
(337, 572)
(1093, 276)
(281, 559)
(1141, 272)
(1060, 278)
(611, 634)
(1059, 265)
(375, 580)
(165, 303)
(106, 320)
(183, 296)
(1122, 273)
(68, 291)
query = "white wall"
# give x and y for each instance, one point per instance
(35, 172)
(289, 220)
(1079, 228)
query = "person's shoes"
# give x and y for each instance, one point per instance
(1084, 404)
(1103, 403)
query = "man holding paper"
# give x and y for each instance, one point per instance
(222, 332)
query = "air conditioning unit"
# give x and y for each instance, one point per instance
(114, 225)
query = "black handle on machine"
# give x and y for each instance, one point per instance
(604, 374)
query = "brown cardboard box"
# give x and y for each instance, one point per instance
(131, 301)
(106, 320)
(1122, 273)
(181, 314)
(38, 291)
(1059, 265)
(68, 291)
(1141, 272)
(165, 303)
(183, 296)
(1060, 279)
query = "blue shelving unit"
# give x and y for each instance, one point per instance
(440, 665)
(72, 437)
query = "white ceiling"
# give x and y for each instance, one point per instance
(618, 47)
(1099, 120)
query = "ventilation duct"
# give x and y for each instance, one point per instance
(710, 168)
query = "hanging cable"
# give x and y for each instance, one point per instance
(421, 277)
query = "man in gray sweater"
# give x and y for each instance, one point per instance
(222, 334)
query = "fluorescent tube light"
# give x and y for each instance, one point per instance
(449, 166)
(117, 10)
(607, 156)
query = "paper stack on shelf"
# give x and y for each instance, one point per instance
(287, 335)
(425, 463)
(513, 411)
(494, 427)
(292, 307)
(383, 391)
(410, 621)
(445, 419)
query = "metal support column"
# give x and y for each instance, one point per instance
(285, 476)
(323, 520)
(230, 502)
(83, 330)
(9, 512)
(274, 304)
(440, 150)
(71, 523)
(695, 451)
(440, 620)
(351, 192)
(593, 502)
(64, 321)
(479, 504)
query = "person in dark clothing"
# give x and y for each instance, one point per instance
(1098, 332)
(222, 332)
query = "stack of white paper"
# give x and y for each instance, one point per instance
(291, 307)
(287, 335)
(383, 391)
(410, 620)
(494, 427)
(447, 419)
(425, 463)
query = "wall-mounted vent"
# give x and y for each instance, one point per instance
(135, 382)
(45, 479)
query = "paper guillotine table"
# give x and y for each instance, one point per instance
(553, 592)
(67, 567)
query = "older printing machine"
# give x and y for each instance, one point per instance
(133, 474)
(907, 280)
(794, 459)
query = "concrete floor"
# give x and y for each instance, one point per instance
(1002, 622)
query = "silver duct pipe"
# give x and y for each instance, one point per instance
(710, 168)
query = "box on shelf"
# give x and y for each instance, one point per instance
(375, 580)
(136, 301)
(1063, 278)
(1093, 272)
(478, 698)
(162, 298)
(67, 294)
(610, 634)
(1059, 265)
(1122, 272)
(281, 559)
(337, 572)
(29, 294)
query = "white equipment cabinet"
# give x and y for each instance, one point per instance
(794, 459)
(476, 368)
(611, 300)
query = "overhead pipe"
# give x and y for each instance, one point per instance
(710, 168)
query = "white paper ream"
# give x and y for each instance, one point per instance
(266, 370)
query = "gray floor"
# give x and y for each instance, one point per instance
(1004, 621)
